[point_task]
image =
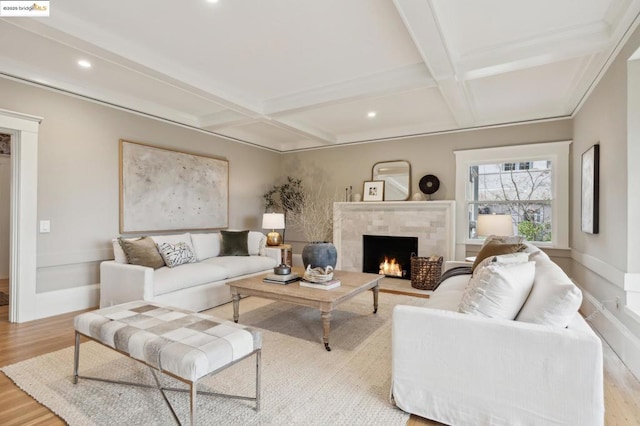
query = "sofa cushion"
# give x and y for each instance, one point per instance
(554, 299)
(176, 254)
(206, 245)
(256, 243)
(446, 300)
(494, 248)
(141, 251)
(167, 280)
(234, 243)
(242, 265)
(498, 290)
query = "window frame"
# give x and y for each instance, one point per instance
(557, 152)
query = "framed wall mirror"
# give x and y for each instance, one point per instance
(397, 177)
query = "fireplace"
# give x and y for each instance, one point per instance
(388, 255)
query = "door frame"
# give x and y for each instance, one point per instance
(24, 129)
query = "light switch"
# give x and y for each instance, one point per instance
(45, 226)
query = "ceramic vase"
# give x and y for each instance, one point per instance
(319, 254)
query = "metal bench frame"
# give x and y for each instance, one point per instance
(192, 384)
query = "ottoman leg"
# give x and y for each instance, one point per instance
(193, 403)
(76, 358)
(258, 378)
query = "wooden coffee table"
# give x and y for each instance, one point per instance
(352, 284)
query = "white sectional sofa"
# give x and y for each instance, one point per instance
(542, 368)
(194, 286)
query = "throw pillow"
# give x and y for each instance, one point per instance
(512, 239)
(142, 251)
(554, 298)
(502, 259)
(498, 290)
(494, 248)
(176, 254)
(234, 243)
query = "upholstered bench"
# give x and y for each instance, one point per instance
(183, 344)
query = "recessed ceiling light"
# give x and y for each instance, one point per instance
(212, 1)
(84, 63)
(371, 114)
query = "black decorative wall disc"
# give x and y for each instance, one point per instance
(429, 184)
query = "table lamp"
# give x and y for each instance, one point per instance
(273, 221)
(495, 224)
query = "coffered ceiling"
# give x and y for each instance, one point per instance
(299, 74)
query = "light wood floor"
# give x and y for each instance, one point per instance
(19, 342)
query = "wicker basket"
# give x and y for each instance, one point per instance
(425, 272)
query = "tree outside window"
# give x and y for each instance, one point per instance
(522, 189)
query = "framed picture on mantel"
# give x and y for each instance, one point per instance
(590, 189)
(373, 190)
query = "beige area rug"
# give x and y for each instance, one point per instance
(302, 384)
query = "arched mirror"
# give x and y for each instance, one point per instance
(397, 179)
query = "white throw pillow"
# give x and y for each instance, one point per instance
(174, 239)
(176, 254)
(206, 246)
(554, 299)
(498, 290)
(503, 259)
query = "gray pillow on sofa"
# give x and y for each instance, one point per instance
(142, 251)
(234, 243)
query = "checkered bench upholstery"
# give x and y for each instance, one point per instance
(184, 344)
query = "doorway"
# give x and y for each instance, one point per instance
(5, 209)
(24, 130)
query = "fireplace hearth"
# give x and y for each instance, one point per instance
(388, 255)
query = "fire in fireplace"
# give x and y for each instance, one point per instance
(388, 255)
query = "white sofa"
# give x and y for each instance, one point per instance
(193, 286)
(543, 368)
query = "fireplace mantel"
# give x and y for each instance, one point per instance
(433, 222)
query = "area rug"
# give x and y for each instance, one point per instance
(301, 382)
(4, 298)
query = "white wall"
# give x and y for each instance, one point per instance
(602, 262)
(351, 165)
(5, 199)
(78, 177)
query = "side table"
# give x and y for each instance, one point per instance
(286, 253)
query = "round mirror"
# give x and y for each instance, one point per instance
(397, 179)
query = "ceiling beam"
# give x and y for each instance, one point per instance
(575, 42)
(411, 77)
(422, 24)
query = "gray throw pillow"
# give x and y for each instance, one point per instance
(142, 251)
(234, 243)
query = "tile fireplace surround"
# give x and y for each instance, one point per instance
(433, 222)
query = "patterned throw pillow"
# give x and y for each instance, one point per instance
(176, 254)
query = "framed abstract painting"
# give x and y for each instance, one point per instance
(166, 190)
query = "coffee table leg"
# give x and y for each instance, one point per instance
(375, 298)
(236, 307)
(326, 321)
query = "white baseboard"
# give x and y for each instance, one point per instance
(617, 335)
(67, 300)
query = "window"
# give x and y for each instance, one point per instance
(521, 190)
(528, 182)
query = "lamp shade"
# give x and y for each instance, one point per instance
(273, 221)
(495, 224)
